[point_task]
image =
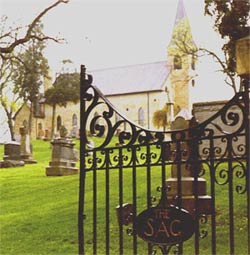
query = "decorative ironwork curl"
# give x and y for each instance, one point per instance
(222, 176)
(240, 172)
(130, 231)
(203, 219)
(202, 171)
(165, 249)
(238, 146)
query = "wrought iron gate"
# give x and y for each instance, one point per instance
(179, 192)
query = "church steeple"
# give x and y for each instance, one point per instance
(181, 19)
(181, 59)
(181, 13)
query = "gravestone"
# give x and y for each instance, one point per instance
(63, 160)
(25, 148)
(47, 136)
(187, 170)
(12, 155)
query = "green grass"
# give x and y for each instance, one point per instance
(38, 214)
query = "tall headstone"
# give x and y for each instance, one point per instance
(187, 171)
(63, 160)
(25, 148)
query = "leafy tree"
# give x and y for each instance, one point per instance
(30, 74)
(65, 89)
(10, 44)
(160, 118)
(232, 22)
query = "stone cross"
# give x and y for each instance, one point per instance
(25, 148)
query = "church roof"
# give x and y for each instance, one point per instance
(132, 79)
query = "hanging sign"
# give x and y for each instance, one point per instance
(164, 226)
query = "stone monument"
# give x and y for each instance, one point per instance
(25, 148)
(188, 183)
(12, 155)
(63, 160)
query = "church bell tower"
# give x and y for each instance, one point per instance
(181, 59)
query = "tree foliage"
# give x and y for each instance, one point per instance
(66, 88)
(160, 118)
(30, 74)
(231, 20)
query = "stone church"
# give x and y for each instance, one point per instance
(136, 91)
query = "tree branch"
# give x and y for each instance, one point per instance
(28, 35)
(224, 69)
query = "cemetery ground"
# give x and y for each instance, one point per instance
(38, 214)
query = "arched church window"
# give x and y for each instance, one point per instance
(25, 123)
(74, 120)
(193, 82)
(177, 62)
(141, 116)
(58, 122)
(193, 63)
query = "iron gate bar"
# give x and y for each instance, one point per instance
(133, 150)
(83, 143)
(94, 204)
(133, 142)
(107, 201)
(246, 99)
(149, 198)
(230, 187)
(194, 163)
(120, 159)
(179, 186)
(212, 192)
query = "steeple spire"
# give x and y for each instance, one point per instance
(181, 13)
(181, 16)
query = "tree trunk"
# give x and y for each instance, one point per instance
(10, 122)
(11, 128)
(53, 120)
(30, 119)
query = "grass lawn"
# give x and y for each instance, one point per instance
(38, 214)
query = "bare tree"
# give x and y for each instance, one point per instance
(12, 35)
(10, 46)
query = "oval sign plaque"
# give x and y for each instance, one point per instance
(164, 226)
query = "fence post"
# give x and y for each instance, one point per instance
(82, 160)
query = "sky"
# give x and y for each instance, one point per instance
(109, 33)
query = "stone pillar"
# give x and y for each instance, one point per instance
(188, 183)
(25, 149)
(63, 160)
(12, 155)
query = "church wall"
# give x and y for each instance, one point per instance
(127, 105)
(21, 118)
